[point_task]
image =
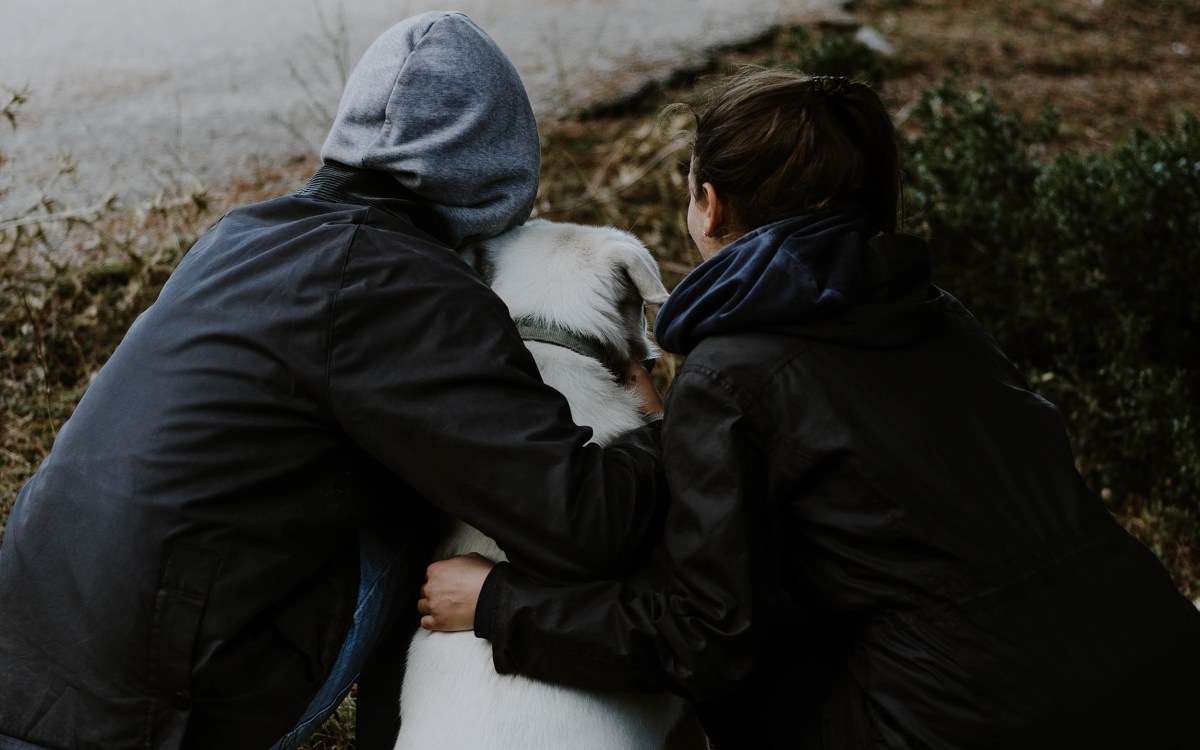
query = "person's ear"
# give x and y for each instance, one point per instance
(713, 208)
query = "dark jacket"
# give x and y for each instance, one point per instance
(313, 367)
(877, 535)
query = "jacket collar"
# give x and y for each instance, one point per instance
(825, 275)
(363, 187)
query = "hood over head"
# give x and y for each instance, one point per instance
(436, 104)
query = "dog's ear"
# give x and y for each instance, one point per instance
(644, 274)
(631, 311)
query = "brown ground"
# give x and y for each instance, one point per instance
(1106, 65)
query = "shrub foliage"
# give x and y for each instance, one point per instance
(1083, 266)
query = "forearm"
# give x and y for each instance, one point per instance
(697, 631)
(609, 635)
(595, 523)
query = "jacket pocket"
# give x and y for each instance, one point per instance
(178, 607)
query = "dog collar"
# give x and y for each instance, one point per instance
(532, 329)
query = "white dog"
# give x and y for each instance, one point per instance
(577, 294)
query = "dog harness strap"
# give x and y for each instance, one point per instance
(532, 329)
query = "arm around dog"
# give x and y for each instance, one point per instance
(427, 372)
(698, 633)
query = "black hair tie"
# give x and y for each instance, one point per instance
(824, 87)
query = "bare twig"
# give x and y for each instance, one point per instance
(633, 178)
(41, 352)
(87, 212)
(195, 197)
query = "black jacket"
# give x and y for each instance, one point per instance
(877, 535)
(313, 367)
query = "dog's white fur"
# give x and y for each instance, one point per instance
(574, 277)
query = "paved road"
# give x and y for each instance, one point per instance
(147, 93)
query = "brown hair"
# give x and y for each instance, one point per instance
(776, 144)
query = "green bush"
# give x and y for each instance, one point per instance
(1084, 268)
(969, 179)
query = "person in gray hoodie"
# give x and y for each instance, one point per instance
(235, 520)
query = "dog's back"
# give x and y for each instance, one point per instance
(590, 283)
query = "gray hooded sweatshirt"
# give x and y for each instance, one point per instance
(465, 144)
(182, 569)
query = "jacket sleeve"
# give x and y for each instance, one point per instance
(697, 633)
(428, 374)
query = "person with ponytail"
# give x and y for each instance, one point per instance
(877, 535)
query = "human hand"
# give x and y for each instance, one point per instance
(451, 591)
(637, 382)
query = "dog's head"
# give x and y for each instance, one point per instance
(591, 281)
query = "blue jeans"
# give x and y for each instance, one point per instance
(377, 567)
